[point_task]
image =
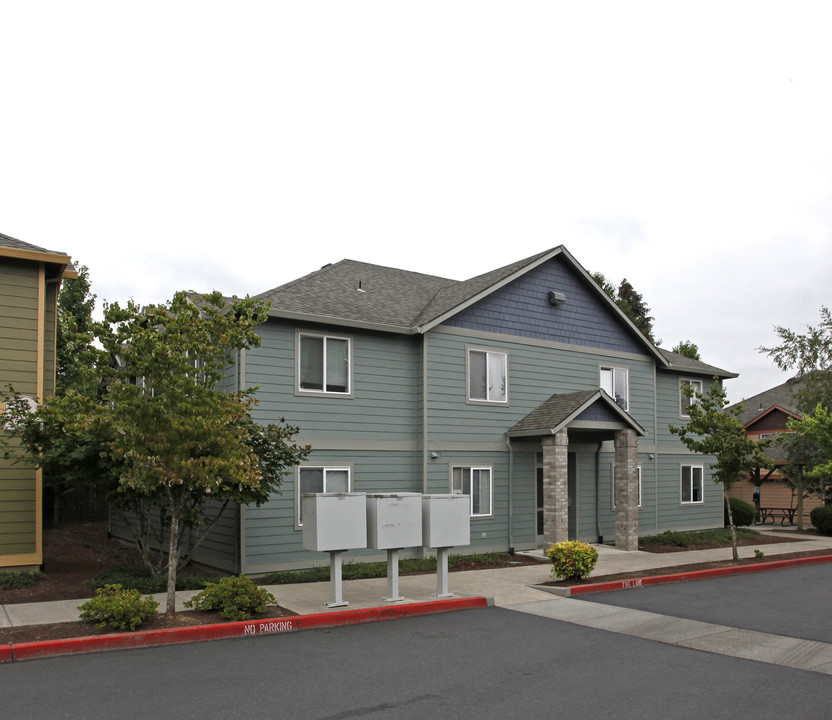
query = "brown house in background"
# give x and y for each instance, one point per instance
(30, 279)
(765, 416)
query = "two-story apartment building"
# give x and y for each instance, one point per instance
(30, 278)
(525, 388)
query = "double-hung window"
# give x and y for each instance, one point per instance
(323, 364)
(616, 382)
(692, 479)
(487, 376)
(686, 401)
(476, 483)
(319, 480)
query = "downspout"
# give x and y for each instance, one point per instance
(424, 414)
(598, 493)
(655, 456)
(511, 496)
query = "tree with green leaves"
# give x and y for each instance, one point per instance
(810, 355)
(688, 349)
(714, 429)
(173, 449)
(630, 302)
(75, 353)
(802, 454)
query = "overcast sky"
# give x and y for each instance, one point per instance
(237, 146)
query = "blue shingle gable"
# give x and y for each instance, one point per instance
(522, 308)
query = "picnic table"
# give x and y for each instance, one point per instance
(784, 515)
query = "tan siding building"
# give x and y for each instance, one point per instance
(30, 279)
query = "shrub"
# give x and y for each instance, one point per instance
(572, 560)
(822, 519)
(742, 511)
(115, 607)
(15, 579)
(238, 597)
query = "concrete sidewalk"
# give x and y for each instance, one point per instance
(507, 586)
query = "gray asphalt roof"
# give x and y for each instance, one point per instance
(362, 292)
(688, 365)
(10, 242)
(783, 396)
(562, 408)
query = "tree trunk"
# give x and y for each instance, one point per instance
(800, 493)
(734, 552)
(173, 563)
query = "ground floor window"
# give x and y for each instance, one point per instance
(476, 483)
(691, 490)
(319, 480)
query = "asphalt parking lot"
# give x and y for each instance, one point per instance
(793, 602)
(487, 664)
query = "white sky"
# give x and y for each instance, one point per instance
(237, 146)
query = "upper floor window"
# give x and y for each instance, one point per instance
(686, 401)
(691, 484)
(476, 483)
(323, 364)
(487, 376)
(320, 480)
(616, 383)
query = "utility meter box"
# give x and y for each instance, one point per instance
(334, 521)
(446, 520)
(394, 520)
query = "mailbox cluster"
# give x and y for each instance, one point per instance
(338, 522)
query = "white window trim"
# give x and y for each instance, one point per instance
(612, 485)
(490, 470)
(692, 467)
(325, 468)
(323, 393)
(613, 368)
(683, 397)
(487, 351)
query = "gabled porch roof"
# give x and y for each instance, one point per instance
(585, 410)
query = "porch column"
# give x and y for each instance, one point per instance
(555, 488)
(626, 490)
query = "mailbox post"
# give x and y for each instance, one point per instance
(446, 523)
(394, 521)
(334, 523)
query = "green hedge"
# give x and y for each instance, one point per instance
(742, 511)
(822, 519)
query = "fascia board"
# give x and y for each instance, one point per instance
(340, 322)
(36, 255)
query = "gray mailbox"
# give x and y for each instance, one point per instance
(394, 521)
(446, 523)
(334, 523)
(446, 520)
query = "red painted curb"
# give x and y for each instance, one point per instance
(266, 626)
(696, 575)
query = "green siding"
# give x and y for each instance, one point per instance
(385, 402)
(18, 367)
